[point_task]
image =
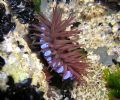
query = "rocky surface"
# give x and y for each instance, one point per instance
(100, 36)
(19, 61)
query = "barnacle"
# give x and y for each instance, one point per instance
(60, 51)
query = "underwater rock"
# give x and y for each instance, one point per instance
(66, 95)
(111, 4)
(6, 23)
(20, 62)
(21, 91)
(23, 65)
(23, 10)
(104, 57)
(92, 11)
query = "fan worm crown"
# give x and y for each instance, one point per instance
(61, 53)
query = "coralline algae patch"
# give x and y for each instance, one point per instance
(20, 62)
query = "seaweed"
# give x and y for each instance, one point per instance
(113, 83)
(37, 4)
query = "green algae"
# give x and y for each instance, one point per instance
(37, 4)
(113, 83)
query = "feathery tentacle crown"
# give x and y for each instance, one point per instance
(61, 53)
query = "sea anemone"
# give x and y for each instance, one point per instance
(60, 51)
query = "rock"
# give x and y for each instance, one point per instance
(104, 57)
